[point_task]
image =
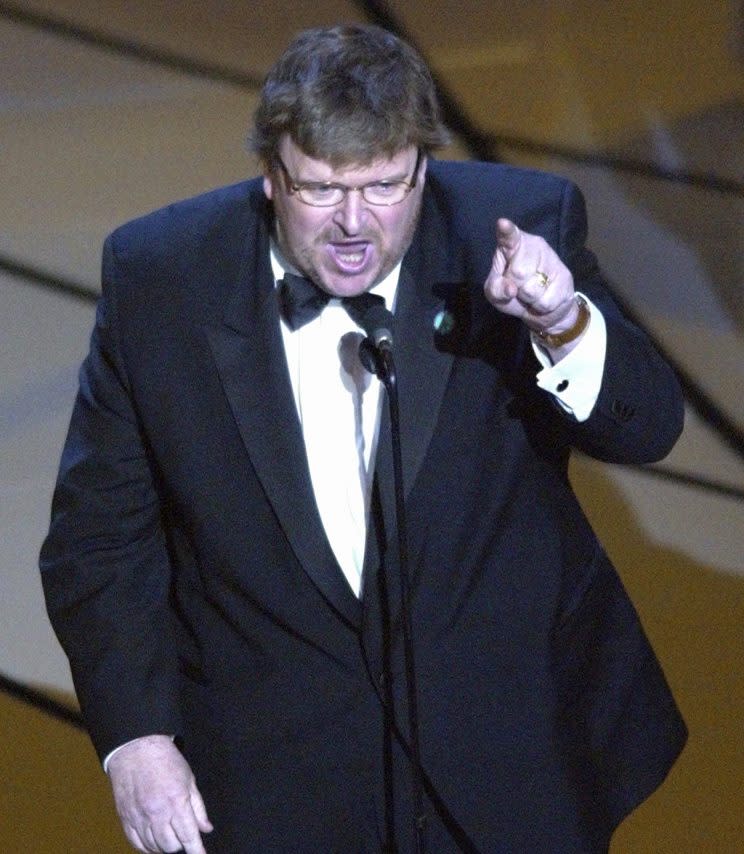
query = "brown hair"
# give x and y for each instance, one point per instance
(348, 95)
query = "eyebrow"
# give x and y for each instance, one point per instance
(402, 175)
(384, 180)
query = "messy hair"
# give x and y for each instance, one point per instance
(348, 95)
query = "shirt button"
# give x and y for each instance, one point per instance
(562, 385)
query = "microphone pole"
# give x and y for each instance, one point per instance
(376, 354)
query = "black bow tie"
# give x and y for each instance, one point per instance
(301, 301)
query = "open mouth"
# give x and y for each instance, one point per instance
(350, 257)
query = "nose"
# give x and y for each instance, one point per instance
(351, 212)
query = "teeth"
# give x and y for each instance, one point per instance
(351, 257)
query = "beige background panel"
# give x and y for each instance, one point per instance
(694, 615)
(240, 34)
(54, 797)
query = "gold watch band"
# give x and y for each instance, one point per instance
(571, 334)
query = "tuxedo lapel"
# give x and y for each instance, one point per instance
(422, 373)
(251, 362)
(423, 368)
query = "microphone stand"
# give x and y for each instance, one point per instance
(381, 357)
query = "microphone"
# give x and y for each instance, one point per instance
(376, 354)
(376, 350)
(377, 322)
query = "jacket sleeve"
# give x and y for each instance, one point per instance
(105, 567)
(639, 413)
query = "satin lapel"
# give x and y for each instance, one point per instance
(431, 276)
(251, 362)
(422, 372)
(423, 366)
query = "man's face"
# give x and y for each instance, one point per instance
(350, 247)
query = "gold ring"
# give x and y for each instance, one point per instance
(544, 280)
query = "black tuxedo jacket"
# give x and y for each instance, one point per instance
(190, 581)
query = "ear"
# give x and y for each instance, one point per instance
(422, 169)
(268, 185)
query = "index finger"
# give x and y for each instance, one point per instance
(187, 832)
(193, 844)
(508, 236)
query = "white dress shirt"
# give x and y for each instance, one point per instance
(338, 403)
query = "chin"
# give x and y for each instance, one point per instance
(348, 286)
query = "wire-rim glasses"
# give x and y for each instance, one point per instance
(326, 194)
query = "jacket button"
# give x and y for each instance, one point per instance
(622, 411)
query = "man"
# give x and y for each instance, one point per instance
(222, 565)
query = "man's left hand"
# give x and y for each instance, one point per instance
(529, 281)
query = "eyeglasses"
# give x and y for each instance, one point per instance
(322, 194)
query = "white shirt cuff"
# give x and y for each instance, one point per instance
(107, 757)
(575, 380)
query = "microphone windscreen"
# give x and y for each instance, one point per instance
(368, 356)
(377, 322)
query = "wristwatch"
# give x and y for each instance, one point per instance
(554, 341)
